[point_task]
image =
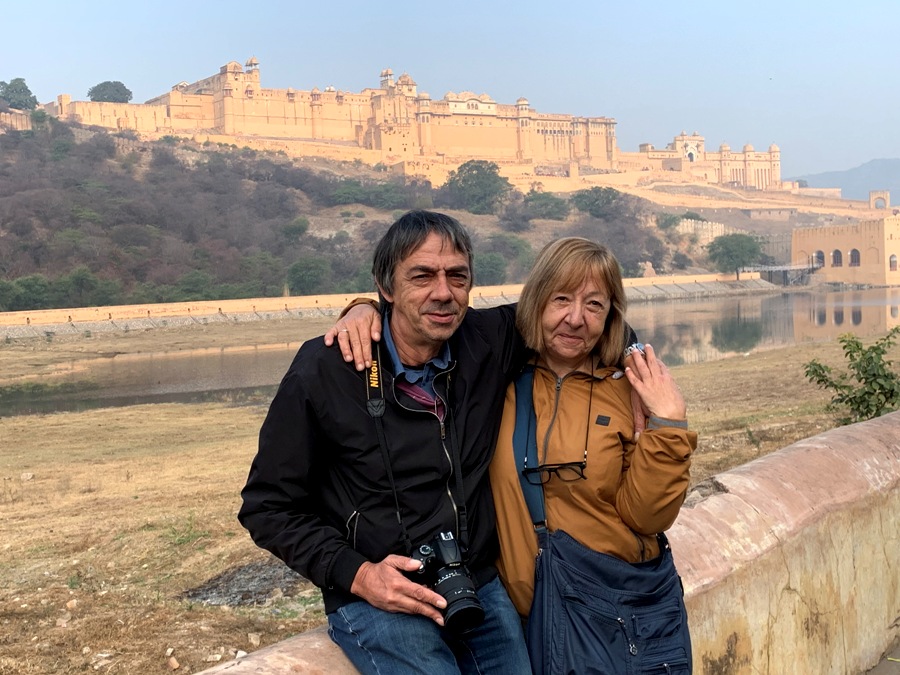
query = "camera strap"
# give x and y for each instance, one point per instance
(375, 406)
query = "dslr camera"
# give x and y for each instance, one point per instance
(443, 571)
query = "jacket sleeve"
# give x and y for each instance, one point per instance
(497, 325)
(279, 499)
(656, 476)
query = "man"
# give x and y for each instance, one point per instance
(356, 470)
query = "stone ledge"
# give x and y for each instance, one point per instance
(788, 563)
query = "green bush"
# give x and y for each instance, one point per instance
(870, 389)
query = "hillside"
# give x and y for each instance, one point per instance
(89, 218)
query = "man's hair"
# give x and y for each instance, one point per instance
(407, 234)
(562, 266)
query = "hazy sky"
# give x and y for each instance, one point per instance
(820, 79)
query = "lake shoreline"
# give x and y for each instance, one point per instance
(84, 322)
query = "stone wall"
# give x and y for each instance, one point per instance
(18, 121)
(789, 564)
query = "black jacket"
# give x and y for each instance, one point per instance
(318, 495)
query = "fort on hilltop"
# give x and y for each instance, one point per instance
(398, 126)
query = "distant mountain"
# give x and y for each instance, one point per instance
(877, 174)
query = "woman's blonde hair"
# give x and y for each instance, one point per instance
(562, 266)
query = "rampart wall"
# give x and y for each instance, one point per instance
(789, 564)
(15, 120)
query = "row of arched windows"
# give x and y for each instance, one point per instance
(837, 259)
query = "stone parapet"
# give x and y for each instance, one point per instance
(789, 564)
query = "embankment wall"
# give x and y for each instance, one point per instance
(37, 323)
(789, 564)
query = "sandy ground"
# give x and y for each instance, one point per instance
(121, 552)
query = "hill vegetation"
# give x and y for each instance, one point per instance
(89, 218)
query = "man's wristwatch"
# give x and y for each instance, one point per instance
(631, 349)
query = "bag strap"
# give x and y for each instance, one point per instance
(525, 444)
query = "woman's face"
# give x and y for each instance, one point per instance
(572, 323)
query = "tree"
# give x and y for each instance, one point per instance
(665, 221)
(731, 252)
(546, 205)
(600, 202)
(17, 94)
(309, 275)
(110, 91)
(475, 186)
(490, 269)
(870, 389)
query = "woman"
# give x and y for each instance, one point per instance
(602, 492)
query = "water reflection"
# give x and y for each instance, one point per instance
(688, 331)
(705, 330)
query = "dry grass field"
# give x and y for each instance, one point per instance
(110, 516)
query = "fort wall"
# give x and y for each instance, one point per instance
(395, 124)
(13, 119)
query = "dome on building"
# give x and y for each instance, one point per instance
(724, 147)
(405, 79)
(774, 148)
(252, 62)
(521, 101)
(748, 148)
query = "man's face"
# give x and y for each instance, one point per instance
(430, 298)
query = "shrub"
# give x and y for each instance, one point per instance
(870, 389)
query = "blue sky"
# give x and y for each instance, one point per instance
(818, 79)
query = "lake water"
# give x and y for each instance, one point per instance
(682, 331)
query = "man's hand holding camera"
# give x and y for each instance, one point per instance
(385, 586)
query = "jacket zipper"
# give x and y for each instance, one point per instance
(443, 435)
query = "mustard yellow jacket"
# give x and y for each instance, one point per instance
(631, 491)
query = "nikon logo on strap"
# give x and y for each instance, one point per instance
(375, 399)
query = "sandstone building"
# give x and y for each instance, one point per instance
(864, 253)
(400, 127)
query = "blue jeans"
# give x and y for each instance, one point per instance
(382, 642)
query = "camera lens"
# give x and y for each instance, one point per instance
(464, 611)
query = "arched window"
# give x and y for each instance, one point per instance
(854, 257)
(820, 258)
(837, 259)
(856, 316)
(838, 317)
(893, 263)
